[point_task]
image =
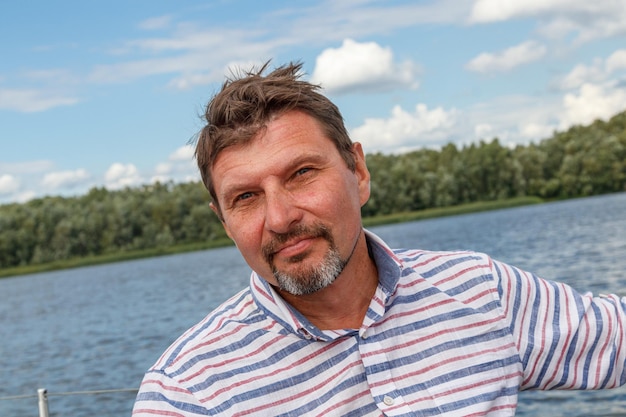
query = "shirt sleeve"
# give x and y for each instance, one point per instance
(160, 395)
(566, 340)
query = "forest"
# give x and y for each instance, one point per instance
(582, 161)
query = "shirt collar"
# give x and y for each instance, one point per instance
(389, 271)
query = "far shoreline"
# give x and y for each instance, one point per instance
(213, 244)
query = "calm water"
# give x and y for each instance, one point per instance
(101, 327)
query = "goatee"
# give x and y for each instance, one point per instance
(306, 279)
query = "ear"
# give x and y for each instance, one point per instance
(218, 213)
(361, 172)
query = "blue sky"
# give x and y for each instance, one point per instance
(110, 93)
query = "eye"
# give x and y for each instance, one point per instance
(244, 196)
(302, 171)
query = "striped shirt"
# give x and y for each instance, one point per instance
(446, 334)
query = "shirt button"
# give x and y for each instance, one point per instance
(388, 400)
(364, 336)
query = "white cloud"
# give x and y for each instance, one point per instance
(508, 59)
(180, 166)
(534, 131)
(592, 102)
(8, 184)
(582, 74)
(65, 178)
(598, 72)
(24, 196)
(30, 101)
(361, 66)
(485, 11)
(155, 23)
(512, 119)
(184, 153)
(617, 61)
(558, 18)
(404, 130)
(120, 175)
(483, 131)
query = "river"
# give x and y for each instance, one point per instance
(101, 327)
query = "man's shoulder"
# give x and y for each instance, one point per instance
(235, 316)
(429, 258)
(446, 269)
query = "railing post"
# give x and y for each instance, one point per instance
(42, 394)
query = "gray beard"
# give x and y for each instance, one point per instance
(307, 280)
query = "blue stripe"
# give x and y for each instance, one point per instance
(533, 324)
(555, 340)
(226, 310)
(590, 356)
(157, 396)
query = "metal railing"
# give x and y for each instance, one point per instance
(42, 396)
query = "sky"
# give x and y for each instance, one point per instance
(111, 94)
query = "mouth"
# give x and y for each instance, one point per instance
(294, 247)
(294, 244)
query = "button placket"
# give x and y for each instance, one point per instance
(381, 383)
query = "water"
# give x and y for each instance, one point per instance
(101, 327)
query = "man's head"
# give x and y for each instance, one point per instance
(245, 105)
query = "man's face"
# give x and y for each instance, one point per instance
(291, 204)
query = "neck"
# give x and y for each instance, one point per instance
(344, 303)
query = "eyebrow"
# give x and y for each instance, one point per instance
(302, 160)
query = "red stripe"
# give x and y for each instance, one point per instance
(296, 396)
(458, 274)
(153, 412)
(165, 387)
(468, 387)
(569, 335)
(432, 336)
(543, 331)
(432, 367)
(600, 358)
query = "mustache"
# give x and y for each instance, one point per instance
(314, 231)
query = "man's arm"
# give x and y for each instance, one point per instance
(159, 395)
(566, 340)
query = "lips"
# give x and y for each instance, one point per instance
(295, 242)
(293, 248)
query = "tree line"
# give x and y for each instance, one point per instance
(582, 161)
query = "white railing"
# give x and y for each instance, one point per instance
(42, 396)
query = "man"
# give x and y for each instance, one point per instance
(335, 322)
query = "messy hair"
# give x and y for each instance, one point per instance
(247, 103)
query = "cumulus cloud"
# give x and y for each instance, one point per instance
(558, 18)
(617, 61)
(600, 71)
(582, 74)
(65, 179)
(362, 66)
(30, 101)
(8, 184)
(486, 11)
(184, 153)
(405, 130)
(508, 59)
(180, 166)
(534, 131)
(122, 175)
(592, 102)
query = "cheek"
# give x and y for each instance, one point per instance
(245, 232)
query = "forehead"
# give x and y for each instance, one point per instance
(291, 136)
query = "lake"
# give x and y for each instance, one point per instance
(101, 327)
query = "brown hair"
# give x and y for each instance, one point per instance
(246, 104)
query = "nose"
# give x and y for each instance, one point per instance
(281, 212)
